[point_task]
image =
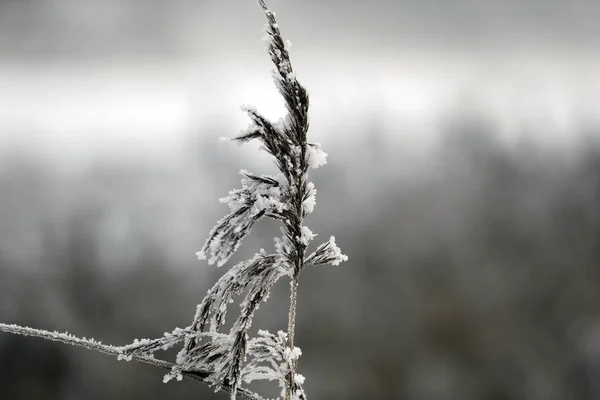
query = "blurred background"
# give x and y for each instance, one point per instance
(463, 183)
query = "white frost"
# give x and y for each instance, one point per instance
(316, 157)
(306, 236)
(311, 201)
(299, 379)
(336, 253)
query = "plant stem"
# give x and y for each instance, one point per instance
(90, 344)
(291, 329)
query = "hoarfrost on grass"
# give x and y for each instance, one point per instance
(316, 157)
(225, 360)
(299, 379)
(326, 253)
(336, 253)
(306, 236)
(311, 200)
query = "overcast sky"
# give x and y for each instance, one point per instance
(87, 74)
(168, 27)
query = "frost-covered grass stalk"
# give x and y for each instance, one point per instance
(227, 360)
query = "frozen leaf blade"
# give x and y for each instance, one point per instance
(260, 196)
(310, 199)
(326, 253)
(210, 314)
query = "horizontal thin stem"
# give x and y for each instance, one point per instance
(91, 344)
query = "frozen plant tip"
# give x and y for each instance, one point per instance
(228, 359)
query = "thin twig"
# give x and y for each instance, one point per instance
(91, 344)
(291, 332)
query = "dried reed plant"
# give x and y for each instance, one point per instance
(227, 360)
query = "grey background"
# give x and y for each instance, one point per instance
(463, 183)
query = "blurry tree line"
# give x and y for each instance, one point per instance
(476, 277)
